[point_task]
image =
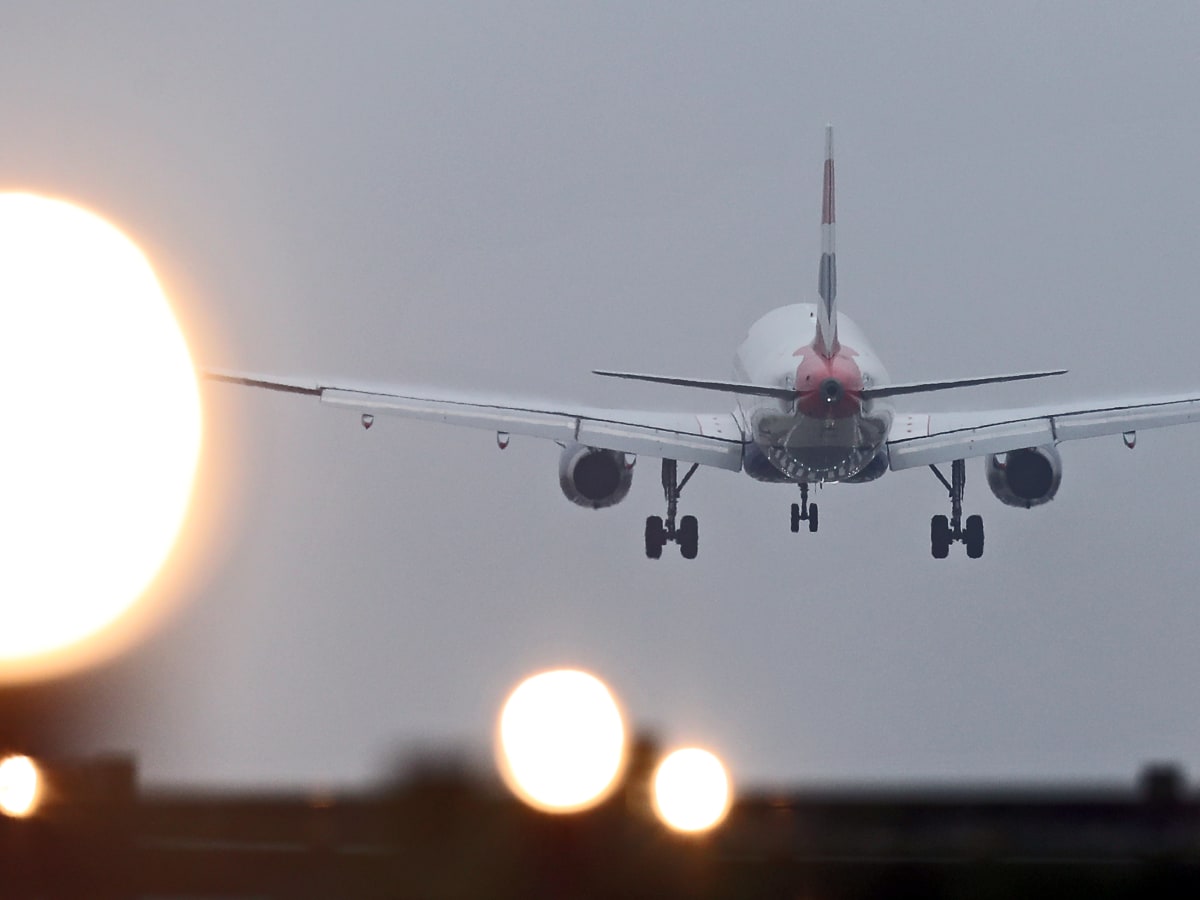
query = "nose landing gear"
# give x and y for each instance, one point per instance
(659, 532)
(804, 511)
(945, 531)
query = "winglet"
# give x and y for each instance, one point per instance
(269, 382)
(826, 342)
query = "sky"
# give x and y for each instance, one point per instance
(504, 196)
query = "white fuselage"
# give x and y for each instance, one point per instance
(828, 432)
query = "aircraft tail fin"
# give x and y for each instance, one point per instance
(826, 342)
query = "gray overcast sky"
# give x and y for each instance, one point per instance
(503, 196)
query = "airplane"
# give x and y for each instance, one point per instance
(813, 405)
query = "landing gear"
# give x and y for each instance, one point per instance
(804, 511)
(659, 532)
(945, 531)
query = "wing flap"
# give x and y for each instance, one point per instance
(964, 444)
(1102, 422)
(515, 420)
(943, 437)
(709, 439)
(708, 449)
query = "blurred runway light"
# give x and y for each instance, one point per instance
(691, 790)
(102, 433)
(20, 786)
(561, 741)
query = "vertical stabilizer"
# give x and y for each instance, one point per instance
(826, 342)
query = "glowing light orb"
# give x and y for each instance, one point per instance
(561, 741)
(101, 427)
(20, 786)
(691, 790)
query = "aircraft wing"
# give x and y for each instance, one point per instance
(922, 440)
(709, 439)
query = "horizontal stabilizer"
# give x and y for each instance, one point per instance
(708, 384)
(926, 387)
(782, 393)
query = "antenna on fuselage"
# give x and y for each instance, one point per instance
(826, 341)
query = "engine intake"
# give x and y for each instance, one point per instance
(594, 478)
(1025, 478)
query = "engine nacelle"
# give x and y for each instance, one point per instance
(594, 478)
(1025, 478)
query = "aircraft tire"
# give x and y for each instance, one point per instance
(654, 537)
(689, 537)
(973, 536)
(812, 517)
(795, 518)
(939, 536)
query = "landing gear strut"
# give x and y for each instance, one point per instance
(804, 511)
(660, 533)
(945, 531)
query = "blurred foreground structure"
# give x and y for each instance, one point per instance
(441, 831)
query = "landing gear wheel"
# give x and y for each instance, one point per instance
(973, 536)
(945, 531)
(688, 537)
(662, 531)
(656, 537)
(940, 537)
(804, 511)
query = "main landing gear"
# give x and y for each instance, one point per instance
(945, 531)
(804, 511)
(660, 533)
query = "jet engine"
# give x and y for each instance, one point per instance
(594, 478)
(1025, 478)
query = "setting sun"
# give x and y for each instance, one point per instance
(102, 427)
(20, 786)
(691, 790)
(561, 741)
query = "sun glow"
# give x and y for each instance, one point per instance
(102, 427)
(20, 786)
(561, 742)
(691, 790)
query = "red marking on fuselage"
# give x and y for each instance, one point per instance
(814, 370)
